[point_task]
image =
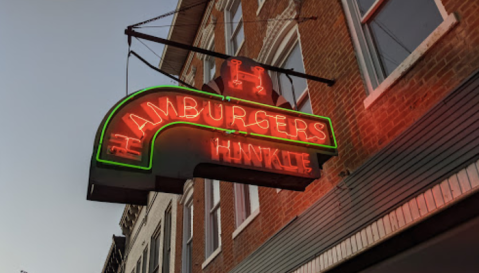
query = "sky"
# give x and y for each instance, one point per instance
(62, 66)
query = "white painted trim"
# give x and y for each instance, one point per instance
(239, 48)
(211, 257)
(246, 222)
(404, 67)
(170, 32)
(197, 40)
(371, 11)
(442, 9)
(188, 189)
(438, 197)
(275, 32)
(360, 57)
(260, 7)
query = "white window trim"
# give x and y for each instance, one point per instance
(246, 222)
(211, 257)
(188, 203)
(210, 207)
(404, 67)
(260, 6)
(375, 93)
(228, 33)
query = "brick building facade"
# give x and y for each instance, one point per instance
(394, 70)
(402, 194)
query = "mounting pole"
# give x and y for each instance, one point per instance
(130, 32)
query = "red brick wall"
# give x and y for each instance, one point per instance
(328, 52)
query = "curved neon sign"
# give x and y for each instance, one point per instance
(132, 127)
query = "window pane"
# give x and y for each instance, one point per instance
(191, 219)
(294, 61)
(189, 258)
(306, 107)
(236, 14)
(365, 5)
(218, 215)
(187, 223)
(400, 26)
(238, 38)
(214, 230)
(167, 242)
(216, 192)
(253, 196)
(138, 266)
(145, 255)
(212, 68)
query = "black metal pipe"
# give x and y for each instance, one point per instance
(131, 32)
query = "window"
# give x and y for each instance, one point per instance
(145, 255)
(246, 203)
(167, 241)
(209, 64)
(386, 32)
(213, 216)
(187, 237)
(155, 251)
(293, 89)
(234, 27)
(138, 266)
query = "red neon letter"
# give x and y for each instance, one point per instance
(191, 108)
(318, 132)
(225, 151)
(125, 146)
(235, 117)
(138, 124)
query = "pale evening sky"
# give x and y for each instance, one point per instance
(62, 66)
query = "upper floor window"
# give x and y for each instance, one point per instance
(187, 236)
(386, 32)
(246, 204)
(167, 241)
(145, 256)
(138, 266)
(234, 27)
(209, 64)
(213, 216)
(155, 251)
(294, 89)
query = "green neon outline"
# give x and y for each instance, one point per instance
(153, 145)
(228, 98)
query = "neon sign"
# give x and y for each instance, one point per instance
(132, 129)
(156, 138)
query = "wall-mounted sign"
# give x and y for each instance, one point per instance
(156, 138)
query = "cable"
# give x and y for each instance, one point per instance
(299, 19)
(168, 14)
(161, 59)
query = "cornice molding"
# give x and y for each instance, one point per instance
(187, 191)
(207, 33)
(221, 4)
(197, 40)
(190, 77)
(129, 217)
(276, 27)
